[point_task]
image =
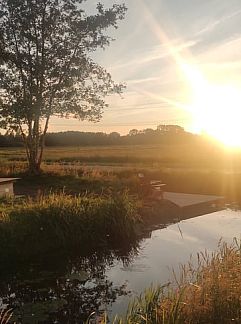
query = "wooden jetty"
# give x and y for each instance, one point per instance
(186, 200)
(163, 207)
(192, 205)
(183, 205)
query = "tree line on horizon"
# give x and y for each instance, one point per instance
(163, 134)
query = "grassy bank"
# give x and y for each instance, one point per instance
(207, 293)
(78, 180)
(191, 173)
(61, 222)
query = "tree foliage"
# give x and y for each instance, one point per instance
(46, 66)
(166, 136)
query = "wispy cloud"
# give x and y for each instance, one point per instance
(157, 52)
(212, 25)
(144, 80)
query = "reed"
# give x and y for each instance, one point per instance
(60, 222)
(6, 315)
(206, 293)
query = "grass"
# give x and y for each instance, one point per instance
(5, 315)
(207, 291)
(60, 222)
(79, 180)
(195, 155)
(185, 168)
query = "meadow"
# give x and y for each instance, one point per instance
(204, 169)
(196, 156)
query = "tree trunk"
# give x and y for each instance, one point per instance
(34, 168)
(34, 165)
(34, 144)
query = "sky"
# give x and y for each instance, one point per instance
(149, 45)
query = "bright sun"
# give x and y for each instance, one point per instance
(216, 108)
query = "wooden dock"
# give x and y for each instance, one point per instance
(183, 200)
(171, 207)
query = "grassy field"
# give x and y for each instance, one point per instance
(171, 156)
(204, 169)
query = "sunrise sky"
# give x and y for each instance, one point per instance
(169, 53)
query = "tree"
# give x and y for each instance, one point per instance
(172, 129)
(133, 132)
(46, 67)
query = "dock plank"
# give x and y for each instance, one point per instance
(185, 200)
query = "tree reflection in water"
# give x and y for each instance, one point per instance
(66, 291)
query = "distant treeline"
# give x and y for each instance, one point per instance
(164, 134)
(10, 140)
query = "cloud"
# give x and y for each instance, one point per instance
(214, 24)
(157, 52)
(149, 44)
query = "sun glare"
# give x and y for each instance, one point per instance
(215, 108)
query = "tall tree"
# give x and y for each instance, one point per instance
(46, 68)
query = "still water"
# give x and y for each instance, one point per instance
(107, 281)
(169, 247)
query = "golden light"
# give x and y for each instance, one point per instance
(216, 108)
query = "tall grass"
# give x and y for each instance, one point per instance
(207, 293)
(5, 316)
(61, 222)
(12, 169)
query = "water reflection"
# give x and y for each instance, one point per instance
(68, 290)
(167, 249)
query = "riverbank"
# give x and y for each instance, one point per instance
(81, 211)
(205, 293)
(57, 223)
(76, 224)
(106, 280)
(78, 178)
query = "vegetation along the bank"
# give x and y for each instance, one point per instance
(205, 293)
(60, 222)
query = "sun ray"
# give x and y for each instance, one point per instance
(215, 108)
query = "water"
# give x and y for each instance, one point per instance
(169, 247)
(108, 280)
